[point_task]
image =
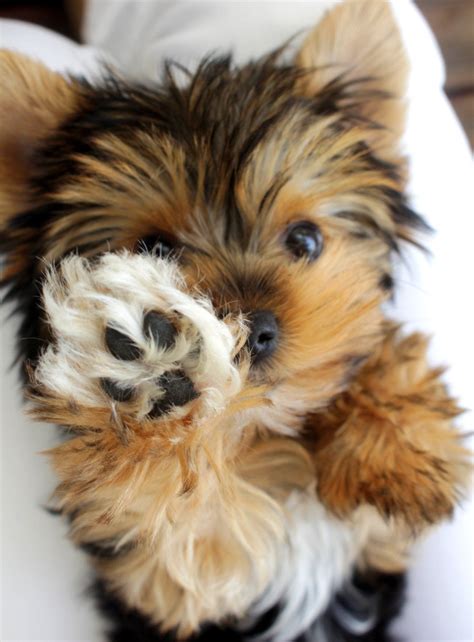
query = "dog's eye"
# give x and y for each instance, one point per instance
(158, 244)
(304, 240)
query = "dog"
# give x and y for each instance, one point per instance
(250, 445)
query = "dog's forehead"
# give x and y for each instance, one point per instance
(229, 159)
(216, 125)
(174, 151)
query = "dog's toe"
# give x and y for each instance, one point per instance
(159, 329)
(178, 391)
(121, 346)
(116, 392)
(175, 386)
(131, 339)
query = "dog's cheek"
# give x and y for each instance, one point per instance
(334, 306)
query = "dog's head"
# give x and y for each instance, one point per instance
(278, 188)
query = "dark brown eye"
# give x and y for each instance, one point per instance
(156, 244)
(304, 240)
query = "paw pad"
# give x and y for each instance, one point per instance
(159, 329)
(116, 392)
(127, 331)
(121, 346)
(176, 387)
(179, 390)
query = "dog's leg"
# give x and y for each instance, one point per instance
(129, 343)
(141, 374)
(162, 485)
(390, 442)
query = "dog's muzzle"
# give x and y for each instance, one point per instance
(263, 338)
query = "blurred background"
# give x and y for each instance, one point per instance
(451, 20)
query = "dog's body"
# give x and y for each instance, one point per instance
(253, 445)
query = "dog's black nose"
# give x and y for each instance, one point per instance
(263, 336)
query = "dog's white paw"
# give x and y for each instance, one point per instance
(126, 334)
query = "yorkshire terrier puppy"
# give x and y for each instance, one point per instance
(250, 446)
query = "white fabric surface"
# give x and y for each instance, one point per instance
(43, 576)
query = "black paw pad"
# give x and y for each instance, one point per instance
(121, 346)
(162, 331)
(116, 392)
(178, 391)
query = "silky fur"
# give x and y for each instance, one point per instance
(279, 478)
(206, 511)
(82, 300)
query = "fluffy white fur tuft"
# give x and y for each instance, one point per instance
(249, 532)
(83, 297)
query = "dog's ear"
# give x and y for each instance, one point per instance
(33, 102)
(358, 44)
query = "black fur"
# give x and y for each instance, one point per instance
(374, 597)
(230, 109)
(387, 282)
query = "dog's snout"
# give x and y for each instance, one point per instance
(263, 338)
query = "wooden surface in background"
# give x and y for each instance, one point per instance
(48, 14)
(451, 20)
(453, 24)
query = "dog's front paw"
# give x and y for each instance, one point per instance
(127, 336)
(389, 441)
(164, 384)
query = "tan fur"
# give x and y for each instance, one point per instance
(33, 103)
(185, 496)
(347, 411)
(389, 545)
(362, 34)
(389, 440)
(192, 541)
